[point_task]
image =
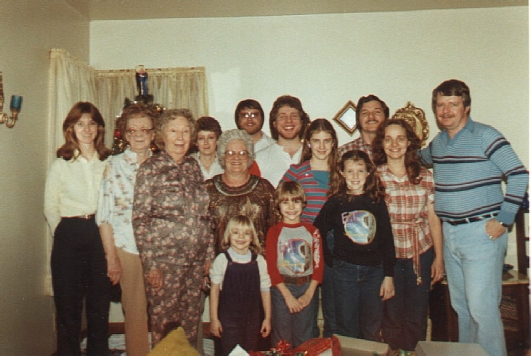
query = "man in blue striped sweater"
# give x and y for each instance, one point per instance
(470, 160)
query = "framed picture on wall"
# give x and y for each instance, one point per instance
(346, 117)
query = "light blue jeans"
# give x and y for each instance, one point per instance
(474, 266)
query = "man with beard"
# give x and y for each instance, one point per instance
(249, 116)
(287, 122)
(371, 111)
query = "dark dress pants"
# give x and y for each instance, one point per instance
(79, 271)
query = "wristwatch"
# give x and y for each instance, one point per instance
(504, 224)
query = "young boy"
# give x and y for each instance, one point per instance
(295, 264)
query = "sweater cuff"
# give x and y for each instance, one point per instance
(505, 217)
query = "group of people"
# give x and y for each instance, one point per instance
(266, 225)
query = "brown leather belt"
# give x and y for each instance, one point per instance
(83, 217)
(296, 280)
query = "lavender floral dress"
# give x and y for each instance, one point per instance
(173, 234)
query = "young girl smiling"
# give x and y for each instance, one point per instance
(239, 283)
(363, 256)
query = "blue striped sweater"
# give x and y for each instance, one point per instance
(468, 171)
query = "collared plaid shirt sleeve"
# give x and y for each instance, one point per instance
(407, 204)
(357, 144)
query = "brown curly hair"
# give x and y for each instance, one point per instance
(373, 185)
(292, 102)
(411, 159)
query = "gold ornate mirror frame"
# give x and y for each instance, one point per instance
(346, 117)
(416, 118)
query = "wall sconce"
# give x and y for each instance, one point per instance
(14, 106)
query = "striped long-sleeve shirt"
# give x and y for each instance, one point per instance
(315, 192)
(468, 171)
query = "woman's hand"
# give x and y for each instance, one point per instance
(154, 278)
(215, 327)
(494, 229)
(387, 289)
(437, 270)
(266, 328)
(114, 270)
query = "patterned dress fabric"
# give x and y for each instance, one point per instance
(172, 229)
(254, 199)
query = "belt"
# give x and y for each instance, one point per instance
(470, 220)
(83, 217)
(296, 280)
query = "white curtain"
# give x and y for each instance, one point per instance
(71, 80)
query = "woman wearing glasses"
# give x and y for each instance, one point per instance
(236, 191)
(172, 227)
(115, 209)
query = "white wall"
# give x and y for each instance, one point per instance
(326, 60)
(28, 29)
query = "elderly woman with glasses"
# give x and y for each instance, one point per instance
(236, 191)
(115, 209)
(172, 227)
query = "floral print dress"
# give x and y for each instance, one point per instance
(173, 234)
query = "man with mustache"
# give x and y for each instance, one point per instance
(470, 160)
(249, 116)
(371, 111)
(287, 122)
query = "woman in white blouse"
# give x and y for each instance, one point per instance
(79, 269)
(115, 208)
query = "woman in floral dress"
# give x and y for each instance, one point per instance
(172, 227)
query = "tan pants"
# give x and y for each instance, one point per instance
(134, 304)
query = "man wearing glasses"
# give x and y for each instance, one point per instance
(249, 116)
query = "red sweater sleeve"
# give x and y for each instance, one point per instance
(271, 254)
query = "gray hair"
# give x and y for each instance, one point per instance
(170, 115)
(232, 135)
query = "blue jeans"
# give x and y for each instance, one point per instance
(406, 314)
(328, 303)
(359, 308)
(294, 328)
(474, 265)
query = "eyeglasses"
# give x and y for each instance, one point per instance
(234, 154)
(249, 115)
(144, 131)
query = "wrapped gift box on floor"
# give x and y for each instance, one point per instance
(321, 346)
(359, 347)
(440, 348)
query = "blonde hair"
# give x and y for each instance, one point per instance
(244, 222)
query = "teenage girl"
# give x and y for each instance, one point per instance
(363, 257)
(240, 282)
(318, 159)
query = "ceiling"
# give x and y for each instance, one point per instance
(159, 9)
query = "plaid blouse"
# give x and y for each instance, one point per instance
(408, 210)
